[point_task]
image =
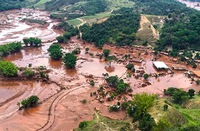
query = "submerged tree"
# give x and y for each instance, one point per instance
(70, 60)
(55, 52)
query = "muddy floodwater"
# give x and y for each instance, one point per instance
(62, 109)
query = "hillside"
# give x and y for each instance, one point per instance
(10, 4)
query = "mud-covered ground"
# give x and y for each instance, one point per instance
(62, 109)
(195, 5)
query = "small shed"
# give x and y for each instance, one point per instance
(160, 65)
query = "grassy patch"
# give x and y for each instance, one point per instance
(74, 22)
(97, 18)
(100, 123)
(117, 4)
(41, 3)
(186, 115)
(150, 25)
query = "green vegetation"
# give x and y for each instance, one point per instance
(77, 9)
(41, 22)
(106, 52)
(103, 123)
(35, 42)
(130, 66)
(10, 4)
(69, 32)
(8, 69)
(28, 73)
(74, 22)
(55, 52)
(70, 60)
(118, 84)
(119, 30)
(180, 29)
(146, 76)
(32, 101)
(10, 48)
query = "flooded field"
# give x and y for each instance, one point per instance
(60, 106)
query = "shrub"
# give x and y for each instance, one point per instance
(92, 83)
(60, 39)
(191, 92)
(30, 102)
(146, 76)
(124, 105)
(8, 68)
(106, 52)
(28, 73)
(170, 91)
(86, 50)
(130, 66)
(76, 51)
(83, 124)
(84, 101)
(114, 108)
(165, 107)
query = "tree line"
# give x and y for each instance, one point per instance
(118, 29)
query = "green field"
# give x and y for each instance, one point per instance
(117, 4)
(100, 123)
(41, 4)
(189, 113)
(74, 22)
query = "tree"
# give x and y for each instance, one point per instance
(70, 60)
(55, 51)
(146, 123)
(143, 101)
(165, 107)
(191, 92)
(106, 52)
(60, 39)
(67, 35)
(180, 97)
(112, 81)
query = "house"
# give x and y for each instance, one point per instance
(160, 65)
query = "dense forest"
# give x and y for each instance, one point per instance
(118, 29)
(10, 4)
(181, 29)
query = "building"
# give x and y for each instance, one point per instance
(160, 65)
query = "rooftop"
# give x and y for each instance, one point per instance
(160, 65)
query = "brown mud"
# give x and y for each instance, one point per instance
(61, 107)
